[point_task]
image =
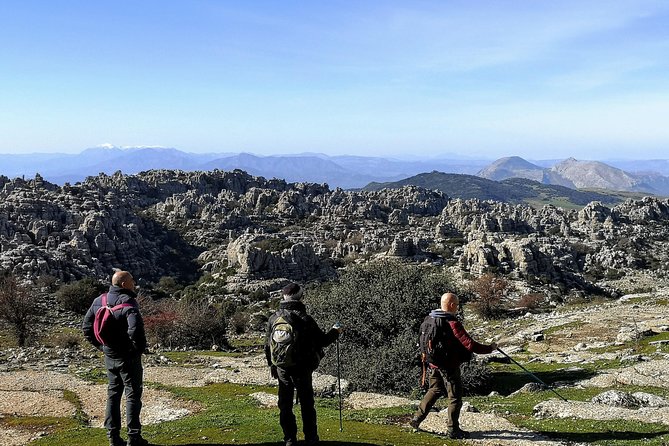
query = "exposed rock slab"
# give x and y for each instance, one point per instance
(651, 373)
(487, 429)
(41, 394)
(366, 400)
(35, 404)
(265, 399)
(593, 411)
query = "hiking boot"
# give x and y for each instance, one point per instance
(291, 442)
(116, 440)
(312, 442)
(457, 434)
(138, 441)
(415, 422)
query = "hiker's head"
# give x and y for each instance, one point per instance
(123, 279)
(292, 291)
(449, 303)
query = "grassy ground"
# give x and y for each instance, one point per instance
(232, 417)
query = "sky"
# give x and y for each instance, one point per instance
(485, 79)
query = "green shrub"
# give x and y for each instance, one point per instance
(273, 244)
(78, 296)
(476, 377)
(258, 295)
(381, 306)
(239, 322)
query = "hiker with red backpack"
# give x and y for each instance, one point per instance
(294, 347)
(445, 345)
(113, 324)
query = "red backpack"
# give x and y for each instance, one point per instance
(104, 324)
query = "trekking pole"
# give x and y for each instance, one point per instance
(341, 420)
(532, 374)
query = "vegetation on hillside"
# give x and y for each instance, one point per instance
(512, 190)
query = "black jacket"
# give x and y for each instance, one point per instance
(459, 344)
(131, 339)
(315, 338)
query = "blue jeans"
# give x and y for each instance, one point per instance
(124, 374)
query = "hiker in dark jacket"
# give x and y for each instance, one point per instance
(298, 376)
(446, 378)
(123, 359)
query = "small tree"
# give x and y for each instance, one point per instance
(17, 308)
(489, 292)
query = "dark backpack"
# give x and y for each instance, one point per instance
(432, 341)
(105, 324)
(284, 340)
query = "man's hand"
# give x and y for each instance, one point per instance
(273, 372)
(337, 326)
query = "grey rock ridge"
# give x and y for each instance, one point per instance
(170, 222)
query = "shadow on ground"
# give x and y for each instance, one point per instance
(277, 443)
(591, 437)
(507, 382)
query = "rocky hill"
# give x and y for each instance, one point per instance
(252, 230)
(512, 167)
(578, 174)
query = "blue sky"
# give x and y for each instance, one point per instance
(538, 79)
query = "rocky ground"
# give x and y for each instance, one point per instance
(55, 382)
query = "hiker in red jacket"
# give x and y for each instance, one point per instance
(445, 378)
(123, 358)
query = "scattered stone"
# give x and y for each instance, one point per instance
(530, 388)
(616, 398)
(265, 399)
(649, 400)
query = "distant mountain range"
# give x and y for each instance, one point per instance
(337, 171)
(350, 171)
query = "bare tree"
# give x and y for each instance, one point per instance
(489, 292)
(17, 307)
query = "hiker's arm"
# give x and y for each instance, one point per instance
(136, 330)
(467, 341)
(321, 338)
(87, 328)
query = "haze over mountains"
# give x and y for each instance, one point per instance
(338, 171)
(645, 176)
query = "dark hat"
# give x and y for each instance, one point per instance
(292, 291)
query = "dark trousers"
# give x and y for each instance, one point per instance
(289, 381)
(443, 382)
(124, 375)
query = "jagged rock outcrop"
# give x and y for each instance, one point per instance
(173, 223)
